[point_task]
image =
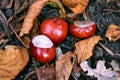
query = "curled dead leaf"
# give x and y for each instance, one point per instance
(77, 6)
(64, 66)
(85, 47)
(113, 32)
(28, 22)
(12, 61)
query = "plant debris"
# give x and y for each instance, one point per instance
(102, 58)
(47, 72)
(85, 47)
(77, 6)
(30, 17)
(113, 32)
(12, 61)
(64, 66)
(101, 72)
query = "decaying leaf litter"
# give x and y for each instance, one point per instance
(103, 13)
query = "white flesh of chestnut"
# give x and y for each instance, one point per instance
(42, 41)
(83, 24)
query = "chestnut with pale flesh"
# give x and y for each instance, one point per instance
(43, 49)
(82, 29)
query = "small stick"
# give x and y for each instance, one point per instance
(30, 73)
(107, 49)
(18, 36)
(111, 10)
(36, 69)
(74, 76)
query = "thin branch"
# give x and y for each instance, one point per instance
(36, 69)
(17, 36)
(107, 49)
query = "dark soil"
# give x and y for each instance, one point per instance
(99, 11)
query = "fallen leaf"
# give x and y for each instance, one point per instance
(115, 65)
(28, 22)
(117, 75)
(12, 61)
(85, 47)
(101, 72)
(113, 32)
(77, 6)
(76, 70)
(64, 66)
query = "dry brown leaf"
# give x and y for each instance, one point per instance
(32, 14)
(113, 32)
(85, 47)
(77, 6)
(12, 61)
(64, 66)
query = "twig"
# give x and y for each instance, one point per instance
(74, 76)
(107, 49)
(30, 73)
(111, 10)
(115, 19)
(85, 16)
(18, 36)
(36, 69)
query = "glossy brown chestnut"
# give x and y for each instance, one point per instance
(42, 52)
(55, 28)
(82, 29)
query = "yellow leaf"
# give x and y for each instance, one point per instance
(12, 61)
(85, 47)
